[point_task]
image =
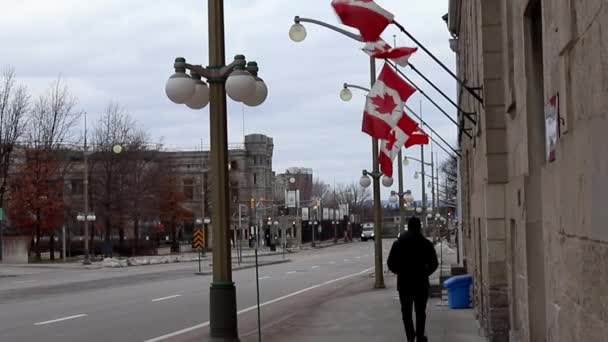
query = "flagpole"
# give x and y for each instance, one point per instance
(379, 276)
(423, 178)
(400, 172)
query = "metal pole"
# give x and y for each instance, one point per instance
(257, 287)
(401, 200)
(222, 304)
(379, 276)
(238, 257)
(462, 83)
(63, 242)
(459, 215)
(400, 174)
(87, 253)
(424, 213)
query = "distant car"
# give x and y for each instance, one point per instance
(367, 232)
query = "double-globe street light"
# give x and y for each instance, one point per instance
(297, 33)
(240, 81)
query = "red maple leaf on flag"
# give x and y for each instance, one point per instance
(390, 143)
(384, 104)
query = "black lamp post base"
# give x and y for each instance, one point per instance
(222, 312)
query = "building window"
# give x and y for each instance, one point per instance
(188, 188)
(255, 178)
(77, 186)
(234, 165)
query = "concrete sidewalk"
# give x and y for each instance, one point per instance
(359, 313)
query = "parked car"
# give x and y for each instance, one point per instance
(367, 231)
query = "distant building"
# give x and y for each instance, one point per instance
(251, 176)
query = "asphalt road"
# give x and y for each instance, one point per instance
(167, 303)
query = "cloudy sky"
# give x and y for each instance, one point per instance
(123, 51)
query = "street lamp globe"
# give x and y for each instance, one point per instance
(276, 223)
(406, 161)
(259, 94)
(292, 180)
(365, 181)
(297, 32)
(240, 85)
(408, 198)
(387, 181)
(207, 220)
(418, 210)
(80, 217)
(179, 87)
(429, 216)
(91, 217)
(117, 149)
(345, 94)
(428, 185)
(438, 215)
(416, 175)
(200, 98)
(199, 221)
(393, 199)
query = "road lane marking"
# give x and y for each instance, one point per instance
(262, 278)
(346, 260)
(60, 319)
(254, 307)
(291, 272)
(357, 257)
(165, 298)
(23, 281)
(315, 267)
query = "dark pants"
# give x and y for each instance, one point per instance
(416, 298)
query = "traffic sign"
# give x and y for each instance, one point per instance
(198, 239)
(1, 214)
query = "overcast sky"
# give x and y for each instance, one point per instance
(123, 51)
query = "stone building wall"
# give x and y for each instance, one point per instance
(536, 232)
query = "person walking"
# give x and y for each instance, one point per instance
(413, 259)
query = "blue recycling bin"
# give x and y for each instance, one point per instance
(458, 291)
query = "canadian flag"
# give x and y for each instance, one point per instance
(381, 49)
(364, 15)
(418, 137)
(402, 133)
(384, 105)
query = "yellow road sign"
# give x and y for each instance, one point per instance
(198, 239)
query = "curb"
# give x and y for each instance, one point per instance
(249, 266)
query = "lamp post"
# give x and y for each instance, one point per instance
(238, 80)
(298, 33)
(276, 228)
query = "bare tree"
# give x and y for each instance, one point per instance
(14, 106)
(319, 188)
(138, 175)
(354, 195)
(110, 176)
(449, 170)
(51, 124)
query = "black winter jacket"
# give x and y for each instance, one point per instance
(413, 259)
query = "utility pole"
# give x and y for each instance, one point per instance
(87, 253)
(424, 213)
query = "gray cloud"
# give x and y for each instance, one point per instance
(113, 50)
